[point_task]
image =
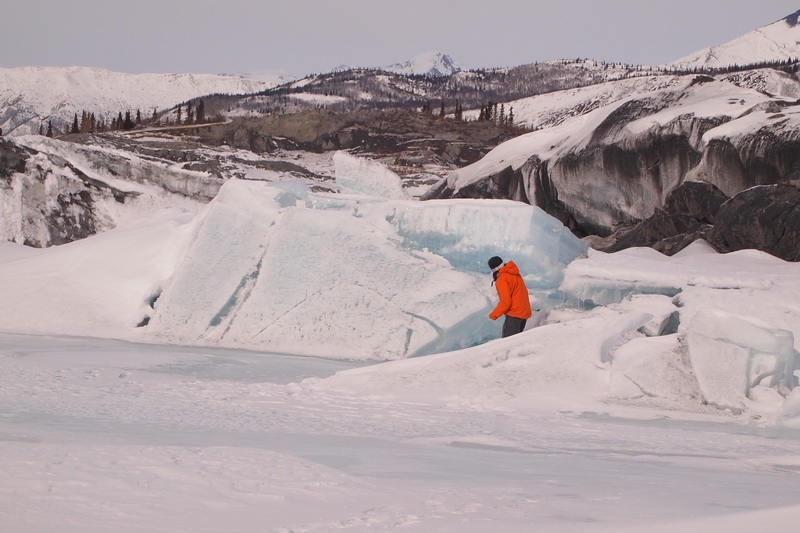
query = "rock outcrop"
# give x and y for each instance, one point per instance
(765, 217)
(52, 192)
(42, 204)
(406, 135)
(689, 214)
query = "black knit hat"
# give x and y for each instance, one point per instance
(494, 262)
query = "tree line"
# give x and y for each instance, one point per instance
(89, 123)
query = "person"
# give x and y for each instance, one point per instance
(514, 302)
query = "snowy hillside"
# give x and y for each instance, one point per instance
(32, 96)
(426, 64)
(598, 166)
(778, 41)
(551, 109)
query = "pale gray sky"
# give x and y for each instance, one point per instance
(310, 36)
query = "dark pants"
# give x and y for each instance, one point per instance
(513, 325)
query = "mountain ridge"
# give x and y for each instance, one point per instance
(427, 79)
(773, 42)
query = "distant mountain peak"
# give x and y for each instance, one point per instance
(427, 63)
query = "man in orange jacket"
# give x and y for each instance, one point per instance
(514, 300)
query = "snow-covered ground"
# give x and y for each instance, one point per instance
(102, 435)
(647, 394)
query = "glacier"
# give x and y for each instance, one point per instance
(277, 267)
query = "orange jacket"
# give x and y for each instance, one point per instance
(513, 293)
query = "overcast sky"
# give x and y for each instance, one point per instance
(311, 36)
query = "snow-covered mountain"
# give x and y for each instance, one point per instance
(427, 63)
(270, 77)
(32, 96)
(774, 42)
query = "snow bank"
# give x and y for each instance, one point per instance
(101, 286)
(699, 332)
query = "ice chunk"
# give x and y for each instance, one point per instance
(654, 372)
(468, 232)
(321, 282)
(331, 285)
(355, 175)
(731, 354)
(221, 265)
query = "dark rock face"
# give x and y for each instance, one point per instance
(608, 184)
(506, 184)
(765, 217)
(12, 159)
(689, 213)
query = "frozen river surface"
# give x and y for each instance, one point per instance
(99, 435)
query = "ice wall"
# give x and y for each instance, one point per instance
(221, 266)
(468, 232)
(264, 273)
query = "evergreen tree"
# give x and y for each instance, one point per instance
(201, 112)
(189, 113)
(128, 124)
(488, 116)
(441, 110)
(74, 128)
(49, 128)
(138, 117)
(180, 114)
(86, 126)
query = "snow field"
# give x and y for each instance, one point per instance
(102, 434)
